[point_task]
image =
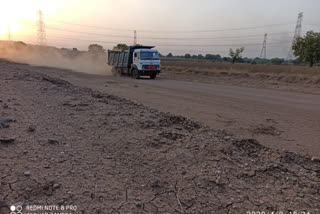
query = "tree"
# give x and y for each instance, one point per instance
(218, 58)
(277, 61)
(169, 55)
(308, 48)
(208, 56)
(120, 47)
(247, 60)
(95, 48)
(200, 56)
(240, 60)
(226, 59)
(187, 56)
(236, 54)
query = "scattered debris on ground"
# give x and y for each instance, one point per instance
(4, 123)
(32, 128)
(268, 130)
(7, 139)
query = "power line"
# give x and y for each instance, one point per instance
(85, 40)
(219, 45)
(77, 39)
(171, 45)
(163, 38)
(212, 38)
(313, 24)
(166, 31)
(161, 48)
(171, 38)
(116, 42)
(220, 30)
(177, 45)
(175, 31)
(92, 26)
(88, 33)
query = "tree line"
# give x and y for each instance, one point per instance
(219, 58)
(306, 49)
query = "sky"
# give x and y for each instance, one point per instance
(176, 26)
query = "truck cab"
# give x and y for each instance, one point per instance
(137, 61)
(146, 62)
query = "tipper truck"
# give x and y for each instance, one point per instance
(137, 61)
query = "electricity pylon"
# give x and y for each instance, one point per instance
(135, 37)
(297, 34)
(9, 33)
(263, 53)
(41, 33)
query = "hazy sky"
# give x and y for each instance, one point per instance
(177, 26)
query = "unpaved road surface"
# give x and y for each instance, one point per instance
(278, 119)
(62, 144)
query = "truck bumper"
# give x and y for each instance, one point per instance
(148, 72)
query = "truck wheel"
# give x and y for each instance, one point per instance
(135, 74)
(153, 76)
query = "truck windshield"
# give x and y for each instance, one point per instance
(149, 55)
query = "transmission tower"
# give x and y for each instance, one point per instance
(135, 37)
(9, 33)
(297, 34)
(263, 53)
(41, 33)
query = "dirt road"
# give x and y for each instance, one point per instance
(64, 145)
(278, 119)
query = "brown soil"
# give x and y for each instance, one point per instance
(105, 154)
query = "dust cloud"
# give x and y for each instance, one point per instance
(81, 61)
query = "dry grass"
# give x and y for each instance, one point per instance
(282, 73)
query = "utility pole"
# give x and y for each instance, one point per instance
(41, 33)
(263, 53)
(9, 33)
(134, 37)
(297, 34)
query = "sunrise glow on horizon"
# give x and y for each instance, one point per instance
(16, 13)
(156, 19)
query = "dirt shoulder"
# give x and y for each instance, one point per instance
(105, 154)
